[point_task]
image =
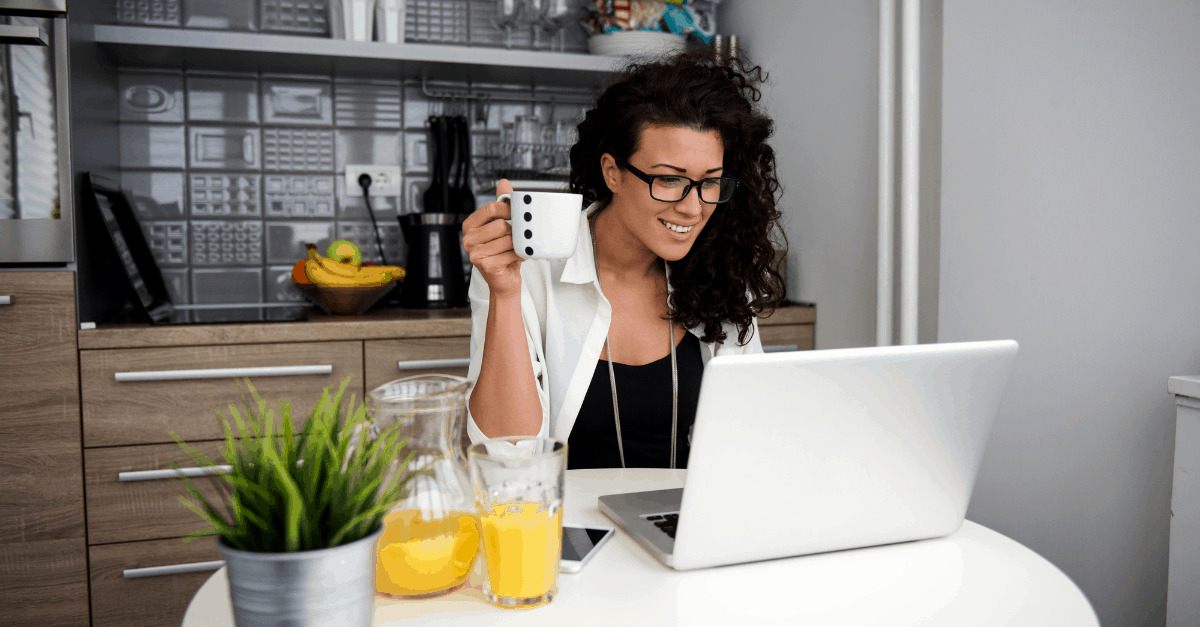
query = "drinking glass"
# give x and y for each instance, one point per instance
(528, 137)
(554, 17)
(508, 12)
(519, 492)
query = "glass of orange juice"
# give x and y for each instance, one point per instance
(519, 491)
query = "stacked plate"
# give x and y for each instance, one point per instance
(636, 43)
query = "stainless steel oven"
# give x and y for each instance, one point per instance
(36, 216)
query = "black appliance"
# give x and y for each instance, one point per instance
(435, 264)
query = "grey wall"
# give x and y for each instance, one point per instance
(1070, 215)
(822, 58)
(823, 64)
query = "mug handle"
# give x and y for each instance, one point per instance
(508, 199)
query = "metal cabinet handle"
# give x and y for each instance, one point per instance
(22, 35)
(173, 569)
(426, 364)
(5, 300)
(221, 373)
(780, 348)
(171, 473)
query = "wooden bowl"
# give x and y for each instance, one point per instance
(344, 300)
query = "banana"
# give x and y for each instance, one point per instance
(378, 275)
(325, 271)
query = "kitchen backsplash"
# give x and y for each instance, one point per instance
(231, 174)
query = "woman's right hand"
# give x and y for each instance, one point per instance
(487, 238)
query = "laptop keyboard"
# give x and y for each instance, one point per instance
(665, 522)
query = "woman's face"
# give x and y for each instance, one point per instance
(668, 229)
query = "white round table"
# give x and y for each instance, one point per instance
(973, 577)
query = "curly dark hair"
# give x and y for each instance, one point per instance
(734, 254)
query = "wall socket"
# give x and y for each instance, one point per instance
(385, 180)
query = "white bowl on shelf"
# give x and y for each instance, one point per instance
(636, 43)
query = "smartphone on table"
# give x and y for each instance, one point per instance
(580, 544)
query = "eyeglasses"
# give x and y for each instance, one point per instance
(674, 188)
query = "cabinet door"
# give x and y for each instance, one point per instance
(43, 567)
(41, 488)
(44, 583)
(141, 395)
(387, 360)
(133, 495)
(148, 583)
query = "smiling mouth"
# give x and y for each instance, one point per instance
(676, 227)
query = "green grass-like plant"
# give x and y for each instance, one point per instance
(329, 484)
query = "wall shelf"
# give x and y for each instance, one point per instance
(191, 49)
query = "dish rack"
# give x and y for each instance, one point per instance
(528, 161)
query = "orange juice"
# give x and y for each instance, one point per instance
(522, 543)
(419, 557)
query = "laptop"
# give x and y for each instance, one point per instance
(814, 451)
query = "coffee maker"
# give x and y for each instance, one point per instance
(435, 261)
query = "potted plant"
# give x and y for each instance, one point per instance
(301, 509)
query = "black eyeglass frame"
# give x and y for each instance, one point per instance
(649, 180)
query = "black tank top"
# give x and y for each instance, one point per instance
(644, 397)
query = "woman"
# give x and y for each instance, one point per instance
(606, 349)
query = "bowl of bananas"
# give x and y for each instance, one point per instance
(339, 282)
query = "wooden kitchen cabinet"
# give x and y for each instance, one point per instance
(43, 568)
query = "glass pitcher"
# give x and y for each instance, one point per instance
(431, 537)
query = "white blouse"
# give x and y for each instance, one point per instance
(566, 319)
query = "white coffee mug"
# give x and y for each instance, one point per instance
(545, 225)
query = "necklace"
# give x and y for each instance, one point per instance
(612, 378)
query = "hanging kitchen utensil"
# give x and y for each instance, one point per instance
(452, 165)
(464, 202)
(447, 145)
(432, 198)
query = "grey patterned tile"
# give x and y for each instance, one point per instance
(285, 241)
(150, 96)
(299, 196)
(226, 243)
(366, 105)
(222, 195)
(152, 146)
(222, 99)
(298, 150)
(155, 195)
(297, 102)
(223, 148)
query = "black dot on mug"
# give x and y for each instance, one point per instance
(529, 250)
(528, 199)
(528, 216)
(528, 234)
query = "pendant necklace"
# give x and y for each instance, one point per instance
(612, 379)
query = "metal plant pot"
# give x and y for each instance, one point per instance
(324, 587)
